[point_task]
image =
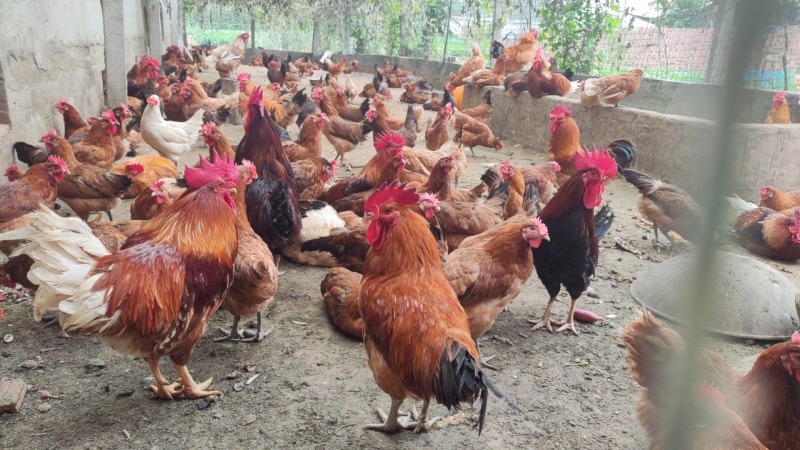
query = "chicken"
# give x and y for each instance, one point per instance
(342, 134)
(255, 277)
(38, 186)
(611, 89)
(335, 69)
(86, 188)
(411, 96)
(515, 83)
(542, 82)
(489, 77)
(415, 332)
(170, 139)
(384, 120)
(340, 292)
(437, 134)
(97, 148)
(565, 141)
(72, 119)
(308, 144)
(522, 54)
(570, 257)
(158, 197)
(409, 130)
(155, 296)
(273, 208)
(228, 57)
(390, 173)
(475, 63)
(772, 198)
(216, 140)
(769, 233)
(311, 176)
(779, 114)
(487, 271)
(438, 183)
(624, 153)
(137, 77)
(764, 398)
(483, 112)
(544, 178)
(13, 173)
(475, 133)
(153, 168)
(344, 245)
(667, 206)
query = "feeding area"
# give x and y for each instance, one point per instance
(329, 224)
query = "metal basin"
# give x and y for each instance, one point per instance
(753, 300)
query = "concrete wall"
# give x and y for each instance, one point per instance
(135, 35)
(51, 49)
(670, 147)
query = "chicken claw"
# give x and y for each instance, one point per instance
(419, 422)
(389, 423)
(196, 390)
(568, 326)
(165, 391)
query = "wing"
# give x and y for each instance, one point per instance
(23, 196)
(88, 182)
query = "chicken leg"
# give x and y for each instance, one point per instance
(545, 321)
(277, 259)
(235, 334)
(570, 323)
(390, 423)
(190, 388)
(164, 390)
(419, 421)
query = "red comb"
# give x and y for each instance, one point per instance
(258, 97)
(55, 159)
(335, 167)
(252, 167)
(61, 101)
(109, 115)
(560, 111)
(135, 167)
(389, 139)
(222, 169)
(157, 185)
(12, 168)
(207, 128)
(243, 76)
(394, 192)
(599, 159)
(706, 390)
(48, 134)
(431, 198)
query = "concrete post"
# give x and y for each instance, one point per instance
(316, 40)
(176, 31)
(720, 44)
(152, 19)
(115, 84)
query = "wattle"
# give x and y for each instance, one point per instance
(593, 196)
(376, 235)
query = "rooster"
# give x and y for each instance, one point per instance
(156, 295)
(766, 399)
(779, 114)
(273, 208)
(415, 332)
(170, 139)
(570, 257)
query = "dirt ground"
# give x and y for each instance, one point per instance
(307, 386)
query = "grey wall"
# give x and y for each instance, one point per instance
(670, 147)
(57, 48)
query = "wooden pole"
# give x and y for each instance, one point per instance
(447, 32)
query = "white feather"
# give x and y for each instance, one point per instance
(317, 223)
(170, 139)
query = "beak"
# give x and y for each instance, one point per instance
(546, 238)
(438, 208)
(368, 217)
(233, 191)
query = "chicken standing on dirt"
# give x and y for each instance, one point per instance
(570, 257)
(170, 139)
(156, 295)
(255, 277)
(415, 332)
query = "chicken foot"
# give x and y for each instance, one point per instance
(569, 325)
(390, 423)
(190, 388)
(545, 321)
(419, 422)
(485, 359)
(238, 335)
(397, 419)
(164, 390)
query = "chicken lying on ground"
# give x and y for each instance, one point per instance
(311, 176)
(667, 206)
(155, 296)
(766, 232)
(765, 399)
(773, 198)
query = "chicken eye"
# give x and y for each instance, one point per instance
(387, 211)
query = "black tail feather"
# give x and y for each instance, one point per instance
(491, 178)
(602, 221)
(530, 201)
(624, 153)
(487, 97)
(30, 154)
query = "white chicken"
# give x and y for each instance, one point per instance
(170, 139)
(228, 57)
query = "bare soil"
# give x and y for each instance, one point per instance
(315, 389)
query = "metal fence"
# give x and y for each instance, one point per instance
(672, 42)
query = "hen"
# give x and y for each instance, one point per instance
(415, 332)
(228, 57)
(489, 77)
(72, 119)
(611, 89)
(522, 54)
(342, 134)
(437, 134)
(770, 233)
(170, 139)
(565, 141)
(311, 176)
(779, 114)
(542, 82)
(570, 257)
(156, 295)
(483, 112)
(158, 197)
(255, 277)
(667, 206)
(149, 169)
(544, 178)
(475, 63)
(766, 398)
(308, 144)
(772, 198)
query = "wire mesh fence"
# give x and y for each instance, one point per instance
(671, 40)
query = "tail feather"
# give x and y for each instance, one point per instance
(30, 154)
(651, 348)
(64, 251)
(602, 221)
(739, 204)
(487, 97)
(624, 153)
(491, 177)
(530, 201)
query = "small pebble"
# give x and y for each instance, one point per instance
(202, 404)
(29, 365)
(44, 407)
(97, 362)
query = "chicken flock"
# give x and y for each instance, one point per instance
(420, 266)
